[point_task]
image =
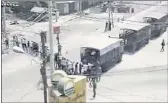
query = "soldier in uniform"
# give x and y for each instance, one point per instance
(162, 44)
(94, 84)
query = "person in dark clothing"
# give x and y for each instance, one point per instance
(22, 44)
(132, 10)
(72, 69)
(94, 84)
(7, 43)
(80, 68)
(25, 44)
(109, 26)
(59, 63)
(56, 60)
(106, 26)
(14, 41)
(17, 41)
(76, 68)
(28, 44)
(162, 44)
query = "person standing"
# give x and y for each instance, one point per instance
(76, 68)
(109, 26)
(72, 69)
(80, 68)
(59, 62)
(22, 42)
(25, 44)
(7, 43)
(14, 41)
(94, 84)
(31, 47)
(28, 46)
(17, 41)
(162, 44)
(106, 26)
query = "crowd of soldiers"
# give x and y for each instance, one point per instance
(92, 72)
(72, 68)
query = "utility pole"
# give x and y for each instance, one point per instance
(3, 5)
(112, 15)
(56, 11)
(3, 20)
(167, 19)
(43, 67)
(109, 10)
(51, 39)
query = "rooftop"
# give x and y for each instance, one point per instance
(100, 42)
(132, 25)
(154, 12)
(37, 9)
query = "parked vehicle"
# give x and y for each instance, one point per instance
(102, 51)
(135, 35)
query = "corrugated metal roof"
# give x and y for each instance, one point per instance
(37, 9)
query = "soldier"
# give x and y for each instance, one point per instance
(94, 84)
(162, 44)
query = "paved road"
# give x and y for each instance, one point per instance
(21, 82)
(139, 87)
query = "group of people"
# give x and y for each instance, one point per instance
(76, 68)
(71, 68)
(28, 46)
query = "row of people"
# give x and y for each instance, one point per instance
(28, 46)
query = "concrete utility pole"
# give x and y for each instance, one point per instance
(167, 19)
(51, 38)
(109, 9)
(112, 15)
(3, 5)
(56, 11)
(43, 67)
